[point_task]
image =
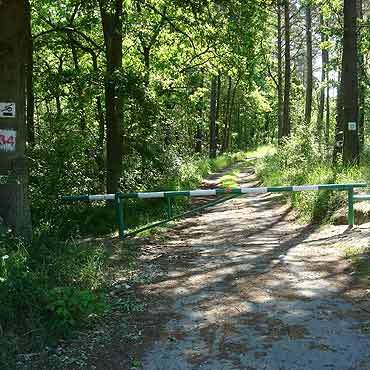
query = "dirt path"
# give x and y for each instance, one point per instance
(245, 287)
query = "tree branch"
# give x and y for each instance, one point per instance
(56, 28)
(170, 22)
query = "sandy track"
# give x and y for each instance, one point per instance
(245, 287)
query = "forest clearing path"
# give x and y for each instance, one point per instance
(246, 287)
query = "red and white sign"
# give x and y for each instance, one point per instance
(7, 140)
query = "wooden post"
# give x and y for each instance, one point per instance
(14, 204)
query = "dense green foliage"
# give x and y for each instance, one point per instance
(52, 286)
(171, 52)
(298, 162)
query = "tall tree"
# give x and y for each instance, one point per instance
(224, 146)
(212, 119)
(328, 111)
(29, 83)
(362, 89)
(338, 142)
(111, 14)
(286, 111)
(324, 83)
(350, 83)
(309, 62)
(218, 106)
(280, 86)
(14, 38)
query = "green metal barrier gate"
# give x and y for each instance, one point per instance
(229, 194)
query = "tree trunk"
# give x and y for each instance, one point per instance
(231, 111)
(226, 116)
(362, 89)
(238, 123)
(111, 13)
(100, 143)
(14, 35)
(280, 75)
(200, 133)
(218, 107)
(286, 111)
(58, 103)
(338, 141)
(198, 138)
(324, 80)
(29, 87)
(212, 119)
(350, 83)
(146, 53)
(266, 128)
(309, 58)
(327, 126)
(74, 53)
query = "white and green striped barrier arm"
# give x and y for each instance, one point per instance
(214, 192)
(361, 198)
(242, 190)
(89, 198)
(119, 198)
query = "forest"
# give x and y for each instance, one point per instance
(154, 95)
(183, 81)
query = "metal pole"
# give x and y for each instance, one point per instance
(351, 212)
(168, 207)
(120, 215)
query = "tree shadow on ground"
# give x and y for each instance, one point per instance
(234, 293)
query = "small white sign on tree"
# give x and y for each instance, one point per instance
(352, 126)
(7, 110)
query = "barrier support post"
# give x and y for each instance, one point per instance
(168, 207)
(119, 202)
(351, 212)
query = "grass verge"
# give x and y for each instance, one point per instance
(298, 162)
(360, 259)
(48, 290)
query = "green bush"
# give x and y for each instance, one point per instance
(47, 290)
(51, 285)
(298, 161)
(67, 306)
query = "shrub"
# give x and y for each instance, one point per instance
(297, 162)
(50, 284)
(67, 306)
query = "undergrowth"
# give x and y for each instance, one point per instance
(360, 259)
(96, 218)
(48, 289)
(298, 161)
